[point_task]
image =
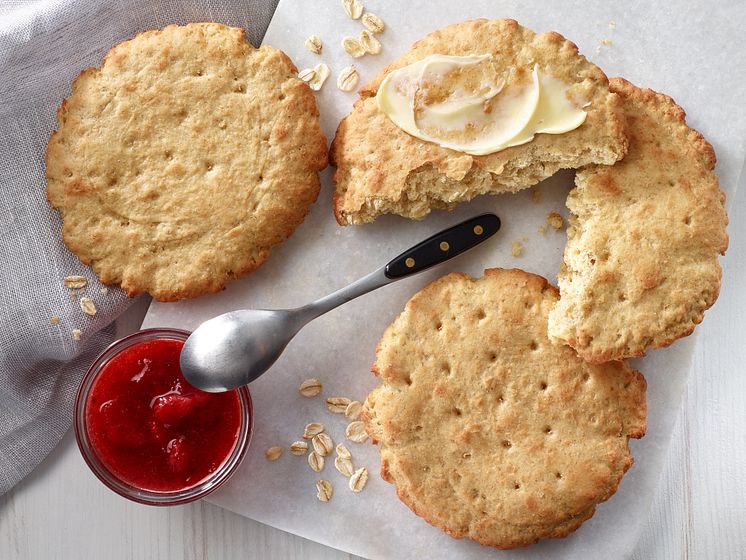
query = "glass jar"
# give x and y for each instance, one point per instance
(148, 496)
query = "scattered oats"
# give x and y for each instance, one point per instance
(343, 452)
(77, 333)
(353, 8)
(543, 229)
(612, 25)
(322, 444)
(555, 220)
(356, 432)
(313, 43)
(324, 490)
(55, 319)
(74, 281)
(353, 47)
(315, 461)
(353, 410)
(516, 248)
(348, 78)
(87, 305)
(372, 23)
(368, 41)
(321, 73)
(310, 387)
(312, 429)
(606, 42)
(273, 453)
(104, 291)
(298, 448)
(535, 195)
(344, 466)
(307, 74)
(359, 479)
(337, 404)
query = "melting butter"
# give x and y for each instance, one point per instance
(466, 104)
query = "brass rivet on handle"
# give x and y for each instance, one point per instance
(409, 262)
(444, 246)
(479, 230)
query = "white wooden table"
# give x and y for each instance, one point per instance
(62, 511)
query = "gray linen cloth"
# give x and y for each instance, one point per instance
(43, 46)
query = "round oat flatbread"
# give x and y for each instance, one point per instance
(487, 429)
(383, 170)
(641, 261)
(183, 159)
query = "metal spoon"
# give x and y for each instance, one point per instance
(235, 348)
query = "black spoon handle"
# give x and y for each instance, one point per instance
(443, 246)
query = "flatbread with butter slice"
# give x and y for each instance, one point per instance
(383, 169)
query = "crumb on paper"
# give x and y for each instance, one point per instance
(606, 42)
(314, 44)
(55, 319)
(353, 8)
(77, 333)
(373, 23)
(324, 490)
(555, 220)
(310, 387)
(273, 453)
(535, 195)
(348, 78)
(516, 248)
(543, 229)
(612, 25)
(320, 74)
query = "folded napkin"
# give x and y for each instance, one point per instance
(46, 341)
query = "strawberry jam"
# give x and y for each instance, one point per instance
(153, 430)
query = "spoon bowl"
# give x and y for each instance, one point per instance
(240, 344)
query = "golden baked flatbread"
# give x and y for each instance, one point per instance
(641, 262)
(180, 162)
(383, 170)
(487, 429)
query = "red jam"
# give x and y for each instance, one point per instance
(152, 429)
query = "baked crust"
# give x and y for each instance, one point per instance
(183, 159)
(381, 169)
(487, 429)
(641, 261)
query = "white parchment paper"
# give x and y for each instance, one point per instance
(692, 52)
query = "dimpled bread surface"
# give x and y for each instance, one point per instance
(183, 159)
(486, 428)
(641, 261)
(381, 169)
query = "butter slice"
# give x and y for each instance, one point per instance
(499, 116)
